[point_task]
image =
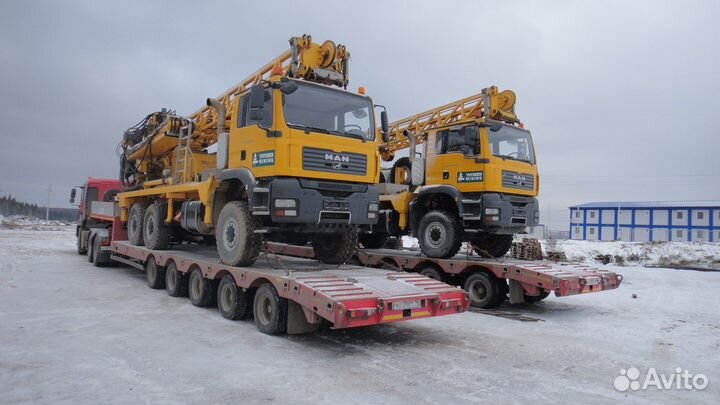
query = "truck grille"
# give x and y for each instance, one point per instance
(323, 160)
(518, 180)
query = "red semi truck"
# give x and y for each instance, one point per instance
(283, 294)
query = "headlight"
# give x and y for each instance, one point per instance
(492, 211)
(285, 203)
(373, 207)
(372, 215)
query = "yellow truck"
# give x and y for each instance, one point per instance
(474, 180)
(287, 154)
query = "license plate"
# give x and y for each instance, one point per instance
(403, 305)
(592, 281)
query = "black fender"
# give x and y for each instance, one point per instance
(426, 191)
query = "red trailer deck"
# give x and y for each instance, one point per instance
(488, 281)
(293, 294)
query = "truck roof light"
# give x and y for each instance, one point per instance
(361, 90)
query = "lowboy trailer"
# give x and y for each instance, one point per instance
(292, 294)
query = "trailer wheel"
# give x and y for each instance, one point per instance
(156, 233)
(440, 234)
(270, 310)
(375, 240)
(175, 281)
(237, 242)
(432, 271)
(483, 290)
(335, 248)
(232, 302)
(135, 224)
(531, 299)
(200, 289)
(154, 274)
(492, 245)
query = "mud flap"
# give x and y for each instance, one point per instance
(297, 322)
(517, 292)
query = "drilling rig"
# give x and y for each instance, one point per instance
(475, 179)
(287, 154)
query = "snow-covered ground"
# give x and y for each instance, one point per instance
(31, 223)
(71, 333)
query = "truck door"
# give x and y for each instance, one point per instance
(452, 159)
(249, 144)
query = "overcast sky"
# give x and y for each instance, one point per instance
(622, 97)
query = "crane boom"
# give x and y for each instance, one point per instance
(489, 103)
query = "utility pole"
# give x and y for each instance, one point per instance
(47, 206)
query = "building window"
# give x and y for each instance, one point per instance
(592, 231)
(592, 214)
(679, 215)
(577, 214)
(700, 234)
(577, 230)
(678, 233)
(700, 215)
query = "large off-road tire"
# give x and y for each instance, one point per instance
(270, 310)
(484, 291)
(80, 248)
(492, 245)
(375, 240)
(432, 271)
(531, 299)
(335, 248)
(237, 242)
(176, 282)
(156, 233)
(404, 165)
(440, 234)
(135, 224)
(154, 274)
(201, 290)
(232, 302)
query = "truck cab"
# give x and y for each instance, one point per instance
(97, 211)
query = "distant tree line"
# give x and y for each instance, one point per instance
(10, 206)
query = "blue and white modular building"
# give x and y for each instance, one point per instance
(646, 221)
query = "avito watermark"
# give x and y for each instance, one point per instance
(630, 379)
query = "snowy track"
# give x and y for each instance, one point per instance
(73, 333)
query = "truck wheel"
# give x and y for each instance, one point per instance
(483, 290)
(156, 233)
(89, 251)
(237, 242)
(96, 252)
(492, 245)
(401, 165)
(270, 310)
(531, 299)
(440, 234)
(430, 270)
(200, 290)
(135, 224)
(232, 302)
(154, 274)
(335, 248)
(375, 240)
(175, 281)
(80, 248)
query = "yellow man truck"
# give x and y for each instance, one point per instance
(286, 154)
(475, 179)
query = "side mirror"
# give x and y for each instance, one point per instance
(385, 127)
(73, 192)
(257, 97)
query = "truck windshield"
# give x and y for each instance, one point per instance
(330, 111)
(511, 143)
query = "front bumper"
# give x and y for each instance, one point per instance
(321, 203)
(514, 214)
